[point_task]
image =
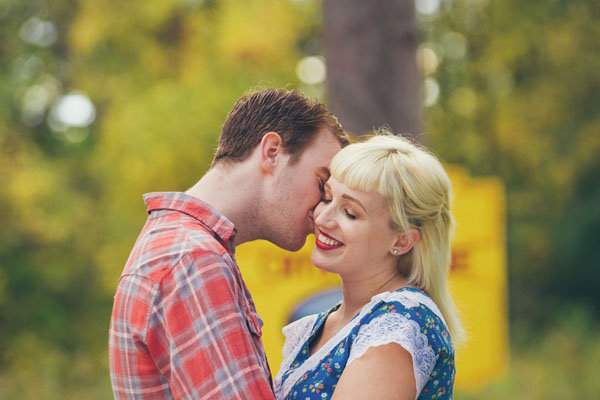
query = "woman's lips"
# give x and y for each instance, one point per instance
(326, 242)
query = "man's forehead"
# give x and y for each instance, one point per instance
(320, 152)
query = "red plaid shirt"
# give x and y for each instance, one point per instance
(183, 323)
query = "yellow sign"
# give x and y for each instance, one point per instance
(279, 281)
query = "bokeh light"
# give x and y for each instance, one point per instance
(427, 7)
(38, 32)
(72, 110)
(427, 58)
(311, 70)
(454, 44)
(463, 101)
(35, 101)
(431, 92)
(28, 68)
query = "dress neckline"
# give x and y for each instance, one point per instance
(319, 324)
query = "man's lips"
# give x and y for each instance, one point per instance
(326, 242)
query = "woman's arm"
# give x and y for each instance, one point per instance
(383, 372)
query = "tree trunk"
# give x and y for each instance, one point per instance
(370, 53)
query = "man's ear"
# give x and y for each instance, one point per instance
(405, 241)
(270, 148)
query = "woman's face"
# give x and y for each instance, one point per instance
(353, 234)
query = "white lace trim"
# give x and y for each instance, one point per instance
(397, 328)
(410, 299)
(298, 333)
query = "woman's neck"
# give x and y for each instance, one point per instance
(357, 293)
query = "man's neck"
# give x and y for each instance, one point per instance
(233, 192)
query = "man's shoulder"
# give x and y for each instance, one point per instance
(159, 250)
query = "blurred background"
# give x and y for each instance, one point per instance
(103, 100)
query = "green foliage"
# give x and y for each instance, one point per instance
(522, 104)
(560, 364)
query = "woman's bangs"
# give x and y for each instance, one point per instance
(356, 169)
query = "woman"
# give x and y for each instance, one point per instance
(384, 225)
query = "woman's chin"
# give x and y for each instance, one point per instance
(319, 262)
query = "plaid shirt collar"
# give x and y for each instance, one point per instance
(196, 208)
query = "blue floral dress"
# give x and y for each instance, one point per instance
(407, 316)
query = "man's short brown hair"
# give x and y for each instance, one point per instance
(293, 116)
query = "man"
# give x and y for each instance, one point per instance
(184, 324)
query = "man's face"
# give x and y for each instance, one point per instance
(297, 191)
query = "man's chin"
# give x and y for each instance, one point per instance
(293, 245)
(296, 248)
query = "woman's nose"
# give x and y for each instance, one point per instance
(323, 215)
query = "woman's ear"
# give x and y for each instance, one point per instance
(270, 147)
(405, 241)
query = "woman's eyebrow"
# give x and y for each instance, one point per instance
(354, 200)
(347, 197)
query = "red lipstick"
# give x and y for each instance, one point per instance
(324, 246)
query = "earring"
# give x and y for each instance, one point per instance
(395, 252)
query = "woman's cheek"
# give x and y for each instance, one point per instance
(319, 209)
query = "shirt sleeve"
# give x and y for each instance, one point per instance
(402, 329)
(203, 335)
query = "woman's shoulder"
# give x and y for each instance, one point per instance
(411, 305)
(410, 318)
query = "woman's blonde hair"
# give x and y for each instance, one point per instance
(419, 195)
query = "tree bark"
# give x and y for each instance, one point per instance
(370, 52)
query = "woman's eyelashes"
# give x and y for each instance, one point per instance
(347, 213)
(325, 195)
(351, 216)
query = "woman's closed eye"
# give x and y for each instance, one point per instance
(349, 215)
